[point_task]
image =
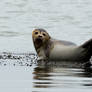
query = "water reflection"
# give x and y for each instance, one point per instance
(42, 74)
(59, 76)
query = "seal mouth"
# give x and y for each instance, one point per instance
(39, 41)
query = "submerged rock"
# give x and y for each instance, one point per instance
(21, 59)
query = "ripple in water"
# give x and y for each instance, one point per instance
(41, 76)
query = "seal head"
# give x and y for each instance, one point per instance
(40, 40)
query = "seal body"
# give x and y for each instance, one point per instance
(58, 50)
(65, 52)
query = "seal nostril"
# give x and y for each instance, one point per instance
(40, 36)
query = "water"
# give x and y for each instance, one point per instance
(63, 19)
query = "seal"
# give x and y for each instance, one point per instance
(48, 48)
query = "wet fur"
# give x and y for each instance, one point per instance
(63, 50)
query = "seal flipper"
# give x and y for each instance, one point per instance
(87, 46)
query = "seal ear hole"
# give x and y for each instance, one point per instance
(36, 33)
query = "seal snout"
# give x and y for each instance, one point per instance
(39, 40)
(40, 36)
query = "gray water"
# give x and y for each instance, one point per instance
(63, 19)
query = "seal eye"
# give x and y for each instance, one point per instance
(44, 34)
(36, 33)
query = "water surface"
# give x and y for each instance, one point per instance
(63, 19)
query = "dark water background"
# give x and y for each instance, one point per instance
(63, 19)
